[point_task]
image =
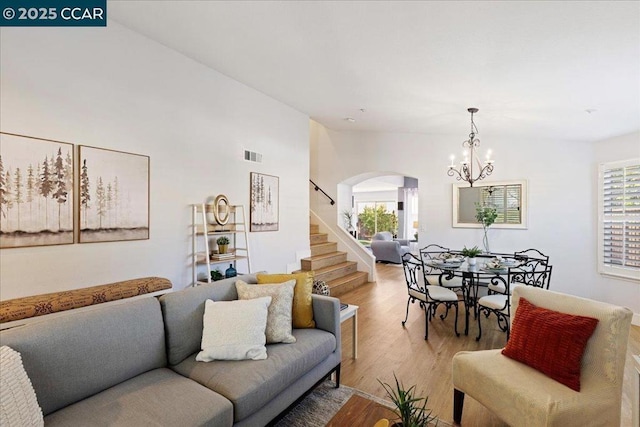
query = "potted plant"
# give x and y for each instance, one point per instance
(347, 217)
(471, 254)
(486, 215)
(411, 410)
(223, 244)
(216, 275)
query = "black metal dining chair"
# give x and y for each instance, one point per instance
(497, 303)
(434, 276)
(428, 296)
(531, 272)
(531, 254)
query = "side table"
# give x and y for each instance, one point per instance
(352, 312)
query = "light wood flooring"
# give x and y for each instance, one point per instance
(385, 348)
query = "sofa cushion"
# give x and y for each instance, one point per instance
(83, 353)
(183, 312)
(18, 402)
(234, 330)
(279, 314)
(156, 398)
(250, 385)
(302, 305)
(550, 341)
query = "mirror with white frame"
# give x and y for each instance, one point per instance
(508, 197)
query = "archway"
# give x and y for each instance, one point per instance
(379, 201)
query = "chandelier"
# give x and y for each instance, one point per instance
(465, 172)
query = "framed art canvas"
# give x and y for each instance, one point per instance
(263, 212)
(36, 191)
(113, 195)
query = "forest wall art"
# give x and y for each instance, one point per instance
(36, 191)
(263, 211)
(113, 195)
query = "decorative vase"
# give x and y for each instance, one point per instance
(485, 241)
(222, 249)
(231, 272)
(471, 260)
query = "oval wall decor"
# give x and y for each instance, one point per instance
(217, 209)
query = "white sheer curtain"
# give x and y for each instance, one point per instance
(410, 211)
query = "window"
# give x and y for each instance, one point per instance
(376, 216)
(619, 219)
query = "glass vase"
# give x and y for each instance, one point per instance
(231, 272)
(485, 240)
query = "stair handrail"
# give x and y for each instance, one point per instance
(317, 188)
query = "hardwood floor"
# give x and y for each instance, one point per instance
(385, 348)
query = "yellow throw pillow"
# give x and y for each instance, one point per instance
(302, 305)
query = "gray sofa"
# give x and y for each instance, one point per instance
(387, 249)
(133, 364)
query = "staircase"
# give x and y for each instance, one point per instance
(332, 266)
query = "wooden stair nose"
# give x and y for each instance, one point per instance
(334, 271)
(316, 238)
(347, 283)
(325, 260)
(323, 248)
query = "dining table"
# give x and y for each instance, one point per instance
(475, 276)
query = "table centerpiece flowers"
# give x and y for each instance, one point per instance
(486, 215)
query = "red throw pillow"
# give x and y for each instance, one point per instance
(550, 341)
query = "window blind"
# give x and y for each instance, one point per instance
(506, 200)
(619, 219)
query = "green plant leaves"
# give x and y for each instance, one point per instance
(408, 408)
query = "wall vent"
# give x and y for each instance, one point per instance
(252, 156)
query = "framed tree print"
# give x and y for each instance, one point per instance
(263, 212)
(36, 191)
(113, 195)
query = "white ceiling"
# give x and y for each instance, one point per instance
(531, 67)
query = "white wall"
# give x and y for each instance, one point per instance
(560, 174)
(112, 88)
(377, 196)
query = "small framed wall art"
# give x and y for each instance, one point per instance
(263, 212)
(113, 195)
(36, 191)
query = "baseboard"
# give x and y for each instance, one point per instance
(635, 320)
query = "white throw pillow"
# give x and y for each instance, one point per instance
(18, 403)
(280, 314)
(234, 330)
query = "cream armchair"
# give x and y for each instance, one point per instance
(523, 396)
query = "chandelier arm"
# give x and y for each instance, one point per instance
(484, 172)
(454, 172)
